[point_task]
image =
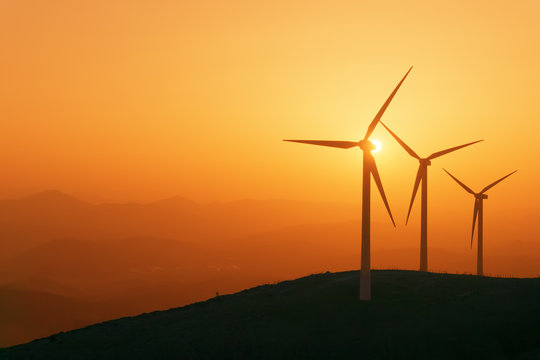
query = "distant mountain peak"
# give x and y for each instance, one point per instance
(176, 201)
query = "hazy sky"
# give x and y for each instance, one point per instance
(138, 100)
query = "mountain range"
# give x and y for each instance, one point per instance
(82, 263)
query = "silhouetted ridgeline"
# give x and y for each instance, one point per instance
(413, 315)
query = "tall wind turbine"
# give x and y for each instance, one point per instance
(479, 212)
(421, 176)
(369, 168)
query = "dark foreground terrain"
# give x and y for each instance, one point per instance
(413, 316)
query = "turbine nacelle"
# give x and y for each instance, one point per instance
(480, 196)
(425, 162)
(366, 145)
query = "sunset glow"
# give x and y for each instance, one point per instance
(378, 145)
(130, 102)
(193, 99)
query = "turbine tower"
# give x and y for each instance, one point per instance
(421, 176)
(369, 168)
(479, 212)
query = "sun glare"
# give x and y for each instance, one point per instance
(378, 145)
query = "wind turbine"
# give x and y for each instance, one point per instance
(369, 168)
(421, 176)
(479, 211)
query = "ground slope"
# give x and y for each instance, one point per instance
(413, 316)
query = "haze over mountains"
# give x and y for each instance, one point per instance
(77, 263)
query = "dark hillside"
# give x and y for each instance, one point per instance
(413, 316)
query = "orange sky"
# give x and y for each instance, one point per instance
(138, 100)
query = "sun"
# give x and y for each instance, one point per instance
(378, 145)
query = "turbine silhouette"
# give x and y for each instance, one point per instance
(421, 176)
(479, 212)
(369, 168)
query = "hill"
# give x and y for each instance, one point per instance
(413, 316)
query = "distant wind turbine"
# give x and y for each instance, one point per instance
(421, 175)
(369, 168)
(479, 212)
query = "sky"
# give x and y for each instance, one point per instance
(141, 100)
(138, 100)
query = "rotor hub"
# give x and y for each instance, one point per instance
(480, 196)
(366, 145)
(425, 162)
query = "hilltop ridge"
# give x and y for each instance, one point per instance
(413, 315)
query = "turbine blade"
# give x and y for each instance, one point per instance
(336, 144)
(495, 183)
(383, 108)
(460, 183)
(415, 189)
(444, 152)
(476, 201)
(377, 178)
(402, 143)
